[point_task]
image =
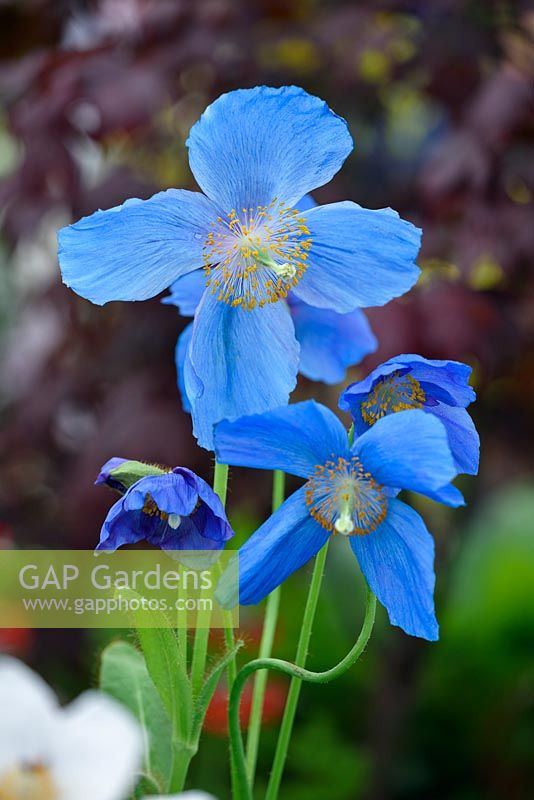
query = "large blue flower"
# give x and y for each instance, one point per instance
(410, 381)
(173, 510)
(254, 154)
(350, 490)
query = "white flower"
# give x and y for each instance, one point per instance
(194, 795)
(90, 750)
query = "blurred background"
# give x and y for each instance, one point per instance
(97, 100)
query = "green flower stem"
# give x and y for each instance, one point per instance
(295, 686)
(298, 674)
(220, 486)
(266, 647)
(180, 767)
(202, 634)
(220, 481)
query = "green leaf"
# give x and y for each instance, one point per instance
(166, 666)
(124, 676)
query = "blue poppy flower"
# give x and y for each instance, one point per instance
(173, 510)
(254, 154)
(411, 381)
(349, 490)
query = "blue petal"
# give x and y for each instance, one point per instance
(254, 145)
(239, 363)
(358, 257)
(293, 438)
(180, 355)
(447, 381)
(288, 539)
(408, 450)
(187, 292)
(134, 251)
(398, 562)
(464, 440)
(305, 203)
(330, 342)
(449, 495)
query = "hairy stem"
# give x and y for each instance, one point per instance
(298, 674)
(266, 647)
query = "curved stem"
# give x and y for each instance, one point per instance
(297, 673)
(266, 647)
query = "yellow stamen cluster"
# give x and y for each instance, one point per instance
(151, 509)
(28, 782)
(344, 498)
(256, 256)
(395, 392)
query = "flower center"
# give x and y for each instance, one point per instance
(28, 782)
(256, 257)
(344, 498)
(151, 509)
(395, 392)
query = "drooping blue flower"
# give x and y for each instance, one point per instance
(173, 510)
(411, 381)
(350, 490)
(254, 154)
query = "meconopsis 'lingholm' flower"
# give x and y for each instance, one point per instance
(91, 749)
(411, 381)
(329, 342)
(173, 510)
(254, 153)
(350, 490)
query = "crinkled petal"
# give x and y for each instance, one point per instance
(135, 251)
(254, 145)
(397, 560)
(443, 380)
(409, 450)
(294, 439)
(210, 502)
(463, 437)
(286, 541)
(187, 292)
(180, 355)
(330, 342)
(358, 257)
(100, 750)
(172, 492)
(239, 363)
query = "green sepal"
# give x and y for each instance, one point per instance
(129, 472)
